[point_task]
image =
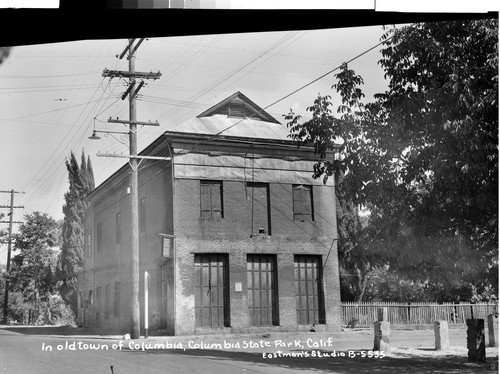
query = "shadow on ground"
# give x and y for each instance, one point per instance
(445, 364)
(50, 330)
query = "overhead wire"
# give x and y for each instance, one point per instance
(310, 83)
(193, 105)
(283, 42)
(186, 103)
(82, 136)
(173, 115)
(67, 143)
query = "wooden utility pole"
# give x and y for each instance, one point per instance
(134, 199)
(9, 248)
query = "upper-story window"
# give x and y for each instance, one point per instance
(89, 245)
(259, 209)
(303, 209)
(142, 215)
(99, 237)
(211, 199)
(118, 228)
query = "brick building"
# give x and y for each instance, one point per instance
(234, 232)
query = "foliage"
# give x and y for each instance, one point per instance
(387, 285)
(52, 311)
(70, 262)
(354, 259)
(423, 157)
(32, 269)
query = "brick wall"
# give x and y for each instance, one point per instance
(175, 209)
(231, 235)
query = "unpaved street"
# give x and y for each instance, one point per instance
(59, 350)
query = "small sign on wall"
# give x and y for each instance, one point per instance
(167, 248)
(238, 287)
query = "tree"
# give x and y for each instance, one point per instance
(423, 157)
(32, 272)
(442, 107)
(81, 183)
(354, 260)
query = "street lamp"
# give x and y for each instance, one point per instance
(94, 136)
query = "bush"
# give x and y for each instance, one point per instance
(51, 312)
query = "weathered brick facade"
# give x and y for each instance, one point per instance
(243, 258)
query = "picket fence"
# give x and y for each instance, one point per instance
(365, 314)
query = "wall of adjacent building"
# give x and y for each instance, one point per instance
(112, 263)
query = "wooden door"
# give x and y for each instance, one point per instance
(262, 290)
(210, 284)
(309, 290)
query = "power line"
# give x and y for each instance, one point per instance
(328, 73)
(47, 112)
(71, 139)
(288, 95)
(310, 83)
(46, 76)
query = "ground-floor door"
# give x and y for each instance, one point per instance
(310, 304)
(211, 290)
(262, 290)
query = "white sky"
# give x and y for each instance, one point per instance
(50, 94)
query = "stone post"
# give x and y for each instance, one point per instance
(381, 335)
(475, 340)
(441, 335)
(382, 315)
(493, 330)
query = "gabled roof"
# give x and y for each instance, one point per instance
(239, 106)
(235, 116)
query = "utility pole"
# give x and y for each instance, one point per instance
(9, 248)
(132, 91)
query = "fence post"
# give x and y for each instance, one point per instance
(441, 336)
(382, 335)
(382, 315)
(493, 330)
(475, 340)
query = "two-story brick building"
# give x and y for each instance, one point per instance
(235, 233)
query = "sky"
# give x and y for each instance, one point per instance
(53, 95)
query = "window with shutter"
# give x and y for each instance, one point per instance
(302, 203)
(211, 199)
(99, 237)
(259, 208)
(106, 302)
(89, 245)
(117, 300)
(118, 228)
(142, 215)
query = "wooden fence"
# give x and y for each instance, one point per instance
(365, 314)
